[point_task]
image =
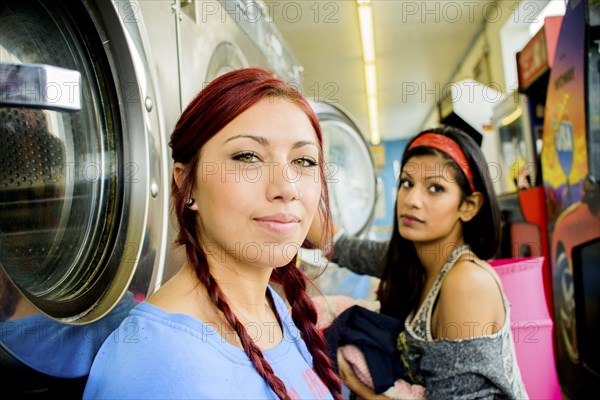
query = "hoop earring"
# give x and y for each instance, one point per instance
(190, 202)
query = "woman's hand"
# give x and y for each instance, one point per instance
(356, 385)
(316, 232)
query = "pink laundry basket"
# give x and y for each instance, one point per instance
(531, 324)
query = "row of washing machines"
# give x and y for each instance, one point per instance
(90, 91)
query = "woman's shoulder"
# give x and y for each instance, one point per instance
(145, 323)
(149, 342)
(161, 353)
(150, 328)
(471, 299)
(472, 273)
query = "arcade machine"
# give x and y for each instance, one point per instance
(518, 119)
(570, 161)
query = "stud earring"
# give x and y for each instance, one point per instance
(190, 202)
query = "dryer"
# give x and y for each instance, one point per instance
(352, 183)
(90, 91)
(350, 170)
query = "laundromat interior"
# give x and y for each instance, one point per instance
(90, 91)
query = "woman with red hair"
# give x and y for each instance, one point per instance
(247, 182)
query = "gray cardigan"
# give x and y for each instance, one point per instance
(361, 256)
(476, 368)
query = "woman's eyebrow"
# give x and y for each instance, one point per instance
(260, 139)
(303, 143)
(264, 141)
(427, 177)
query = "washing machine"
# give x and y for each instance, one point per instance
(90, 91)
(349, 169)
(208, 39)
(352, 183)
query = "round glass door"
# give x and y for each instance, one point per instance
(60, 192)
(350, 171)
(83, 193)
(351, 179)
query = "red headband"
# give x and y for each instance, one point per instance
(449, 147)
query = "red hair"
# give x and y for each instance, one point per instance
(219, 103)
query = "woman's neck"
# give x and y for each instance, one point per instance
(246, 294)
(433, 255)
(245, 286)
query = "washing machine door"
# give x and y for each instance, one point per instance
(82, 195)
(351, 179)
(350, 171)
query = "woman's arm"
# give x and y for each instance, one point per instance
(361, 256)
(470, 303)
(464, 361)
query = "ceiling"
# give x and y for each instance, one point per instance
(418, 44)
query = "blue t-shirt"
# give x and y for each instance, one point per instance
(157, 354)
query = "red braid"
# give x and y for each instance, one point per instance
(195, 255)
(304, 314)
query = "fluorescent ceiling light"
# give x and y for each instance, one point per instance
(371, 79)
(374, 120)
(365, 20)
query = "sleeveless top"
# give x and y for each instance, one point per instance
(477, 367)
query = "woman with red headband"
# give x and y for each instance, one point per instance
(247, 182)
(454, 336)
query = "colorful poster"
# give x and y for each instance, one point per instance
(564, 155)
